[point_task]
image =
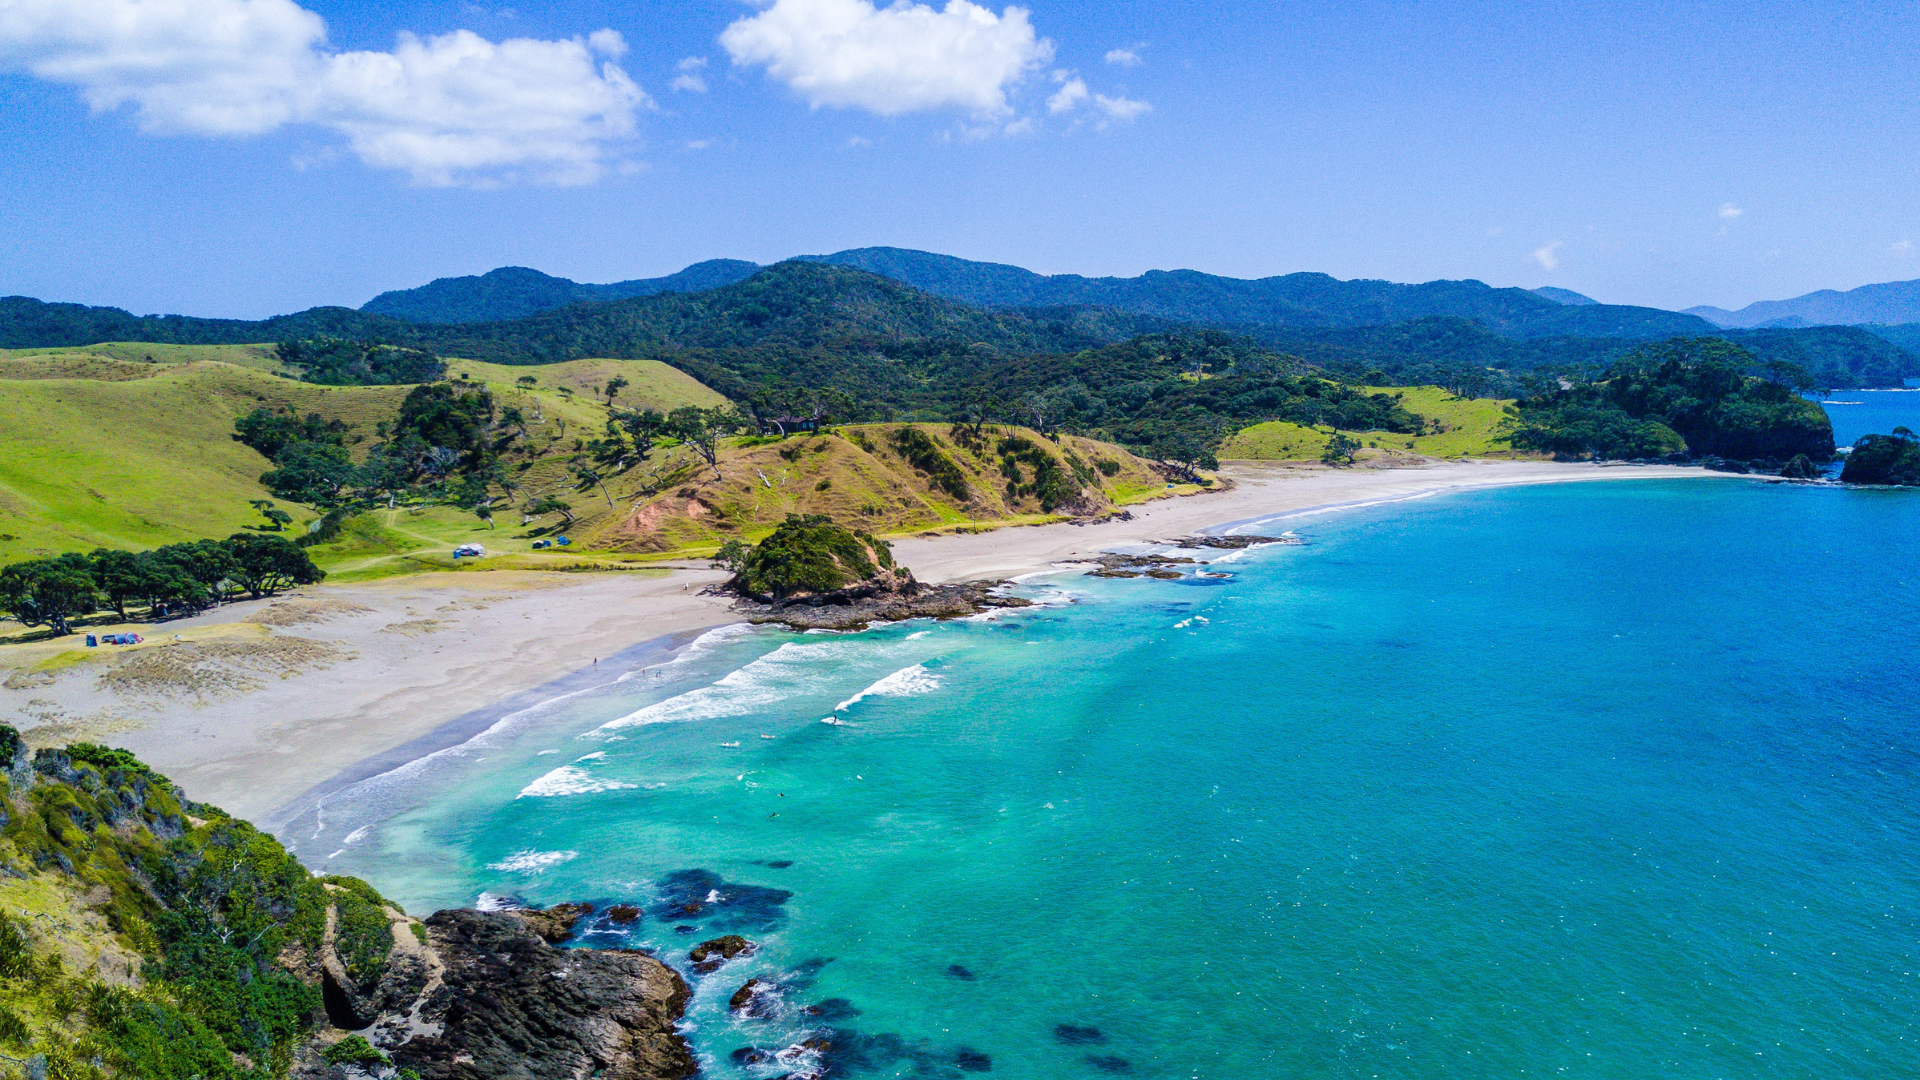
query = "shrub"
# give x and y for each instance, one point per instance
(354, 1050)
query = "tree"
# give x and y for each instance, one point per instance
(1339, 449)
(121, 576)
(978, 407)
(263, 565)
(310, 472)
(526, 382)
(731, 556)
(277, 519)
(644, 428)
(484, 511)
(702, 429)
(48, 592)
(614, 386)
(1044, 409)
(547, 504)
(589, 478)
(512, 417)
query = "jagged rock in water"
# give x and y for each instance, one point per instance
(709, 955)
(1800, 468)
(554, 924)
(748, 999)
(622, 914)
(508, 1006)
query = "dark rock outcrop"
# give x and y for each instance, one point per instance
(856, 613)
(554, 924)
(709, 955)
(506, 1005)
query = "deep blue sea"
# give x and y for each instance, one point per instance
(1614, 779)
(1871, 412)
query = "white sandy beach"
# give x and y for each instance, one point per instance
(252, 705)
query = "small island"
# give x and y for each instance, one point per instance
(1884, 459)
(810, 573)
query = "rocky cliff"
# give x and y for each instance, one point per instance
(160, 939)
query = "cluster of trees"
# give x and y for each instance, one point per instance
(174, 580)
(1884, 459)
(807, 556)
(343, 362)
(1701, 397)
(442, 435)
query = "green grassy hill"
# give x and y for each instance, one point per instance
(1470, 427)
(863, 476)
(100, 447)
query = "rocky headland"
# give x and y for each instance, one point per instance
(147, 937)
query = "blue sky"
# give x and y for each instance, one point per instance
(250, 157)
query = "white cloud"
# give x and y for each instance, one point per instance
(859, 142)
(1902, 248)
(893, 60)
(690, 79)
(1071, 93)
(1127, 57)
(1120, 108)
(450, 109)
(1728, 211)
(1548, 255)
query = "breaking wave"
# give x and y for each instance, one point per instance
(908, 680)
(530, 861)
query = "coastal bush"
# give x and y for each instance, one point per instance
(362, 936)
(353, 1050)
(1884, 459)
(212, 905)
(924, 454)
(1052, 485)
(1697, 396)
(811, 555)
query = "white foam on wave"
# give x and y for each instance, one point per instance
(357, 835)
(915, 679)
(569, 780)
(792, 669)
(918, 634)
(530, 861)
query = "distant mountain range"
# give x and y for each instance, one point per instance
(1889, 302)
(864, 317)
(513, 292)
(1291, 300)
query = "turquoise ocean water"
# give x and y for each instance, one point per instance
(1608, 779)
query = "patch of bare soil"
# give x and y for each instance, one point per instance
(218, 668)
(297, 610)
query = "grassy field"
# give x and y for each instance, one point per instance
(650, 383)
(256, 357)
(1471, 427)
(99, 450)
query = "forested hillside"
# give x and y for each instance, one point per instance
(831, 324)
(514, 292)
(1290, 300)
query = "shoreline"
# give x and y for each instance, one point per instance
(284, 702)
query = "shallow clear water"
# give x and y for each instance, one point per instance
(1602, 779)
